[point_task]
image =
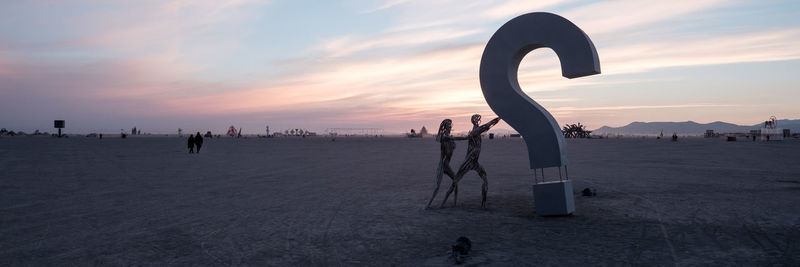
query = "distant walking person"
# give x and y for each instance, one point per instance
(198, 140)
(191, 143)
(471, 159)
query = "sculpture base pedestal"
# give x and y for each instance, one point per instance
(554, 198)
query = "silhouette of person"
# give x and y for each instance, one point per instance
(471, 159)
(191, 143)
(198, 140)
(447, 146)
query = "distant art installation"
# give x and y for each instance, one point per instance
(232, 132)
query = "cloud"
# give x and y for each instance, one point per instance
(695, 105)
(621, 15)
(776, 45)
(386, 5)
(513, 8)
(347, 45)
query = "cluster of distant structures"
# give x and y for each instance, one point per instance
(232, 132)
(5, 132)
(57, 124)
(422, 133)
(769, 132)
(238, 133)
(122, 133)
(295, 132)
(570, 131)
(363, 132)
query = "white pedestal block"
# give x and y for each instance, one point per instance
(554, 198)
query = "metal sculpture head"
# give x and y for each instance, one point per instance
(444, 129)
(476, 119)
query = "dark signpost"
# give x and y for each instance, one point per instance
(58, 124)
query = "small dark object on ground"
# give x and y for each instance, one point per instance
(588, 192)
(461, 249)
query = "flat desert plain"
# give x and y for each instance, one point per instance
(359, 201)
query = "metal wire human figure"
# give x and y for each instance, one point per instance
(447, 146)
(471, 159)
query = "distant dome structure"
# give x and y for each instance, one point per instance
(232, 131)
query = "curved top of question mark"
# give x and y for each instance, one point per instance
(498, 77)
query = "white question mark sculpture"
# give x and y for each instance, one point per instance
(498, 75)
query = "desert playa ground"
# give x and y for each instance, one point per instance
(359, 201)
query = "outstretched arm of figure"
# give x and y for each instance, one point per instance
(489, 124)
(450, 137)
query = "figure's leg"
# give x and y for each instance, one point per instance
(449, 172)
(455, 196)
(461, 171)
(485, 186)
(438, 182)
(452, 175)
(447, 195)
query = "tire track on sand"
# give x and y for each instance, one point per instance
(658, 216)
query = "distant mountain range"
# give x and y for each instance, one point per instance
(689, 128)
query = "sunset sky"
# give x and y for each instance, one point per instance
(205, 65)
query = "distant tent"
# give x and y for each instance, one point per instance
(423, 131)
